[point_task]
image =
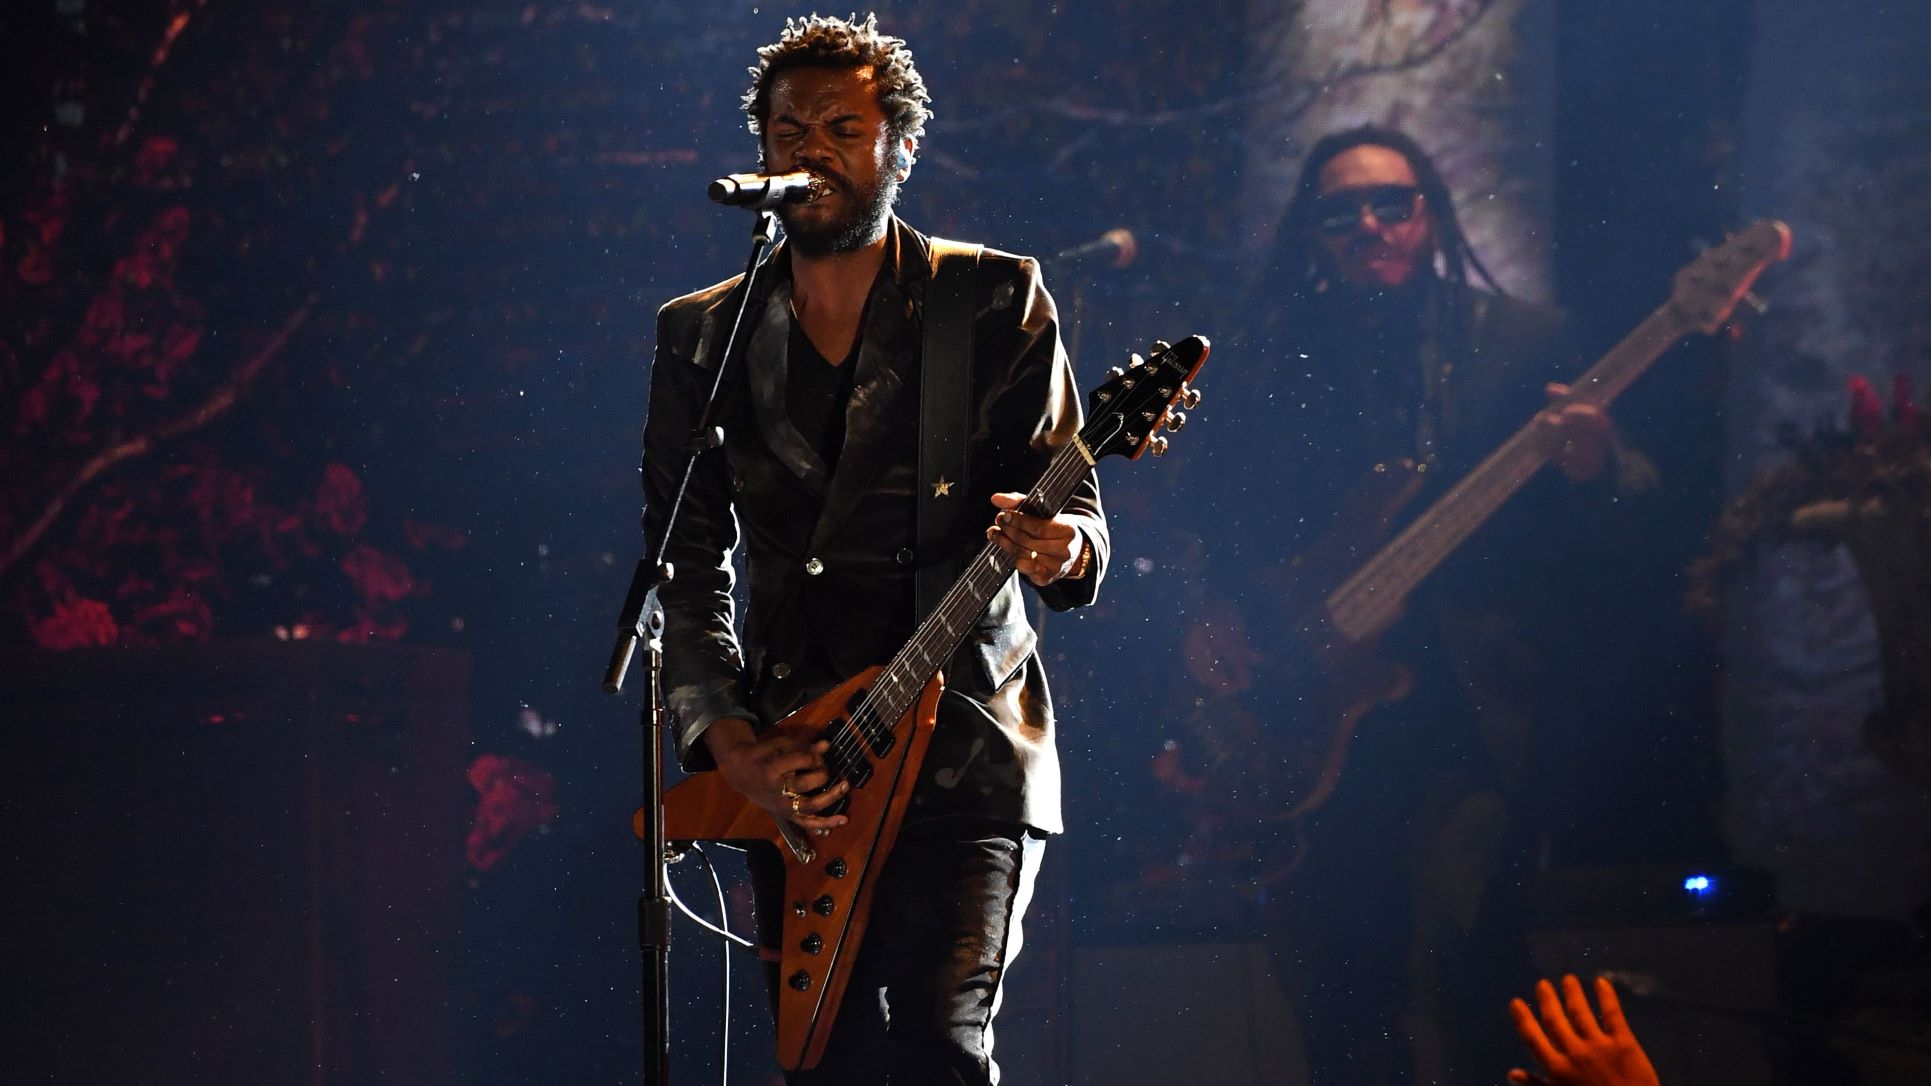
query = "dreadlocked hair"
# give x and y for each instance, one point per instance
(1298, 258)
(824, 41)
(1299, 273)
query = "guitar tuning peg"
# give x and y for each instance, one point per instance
(1116, 371)
(1158, 445)
(1176, 420)
(1160, 346)
(1190, 397)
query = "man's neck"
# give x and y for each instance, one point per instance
(832, 286)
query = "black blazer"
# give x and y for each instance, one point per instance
(829, 554)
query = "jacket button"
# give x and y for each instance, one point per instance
(781, 671)
(814, 567)
(904, 556)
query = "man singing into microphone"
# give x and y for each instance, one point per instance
(820, 471)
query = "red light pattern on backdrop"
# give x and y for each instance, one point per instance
(514, 799)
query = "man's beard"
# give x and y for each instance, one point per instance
(858, 227)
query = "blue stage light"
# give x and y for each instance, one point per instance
(1700, 885)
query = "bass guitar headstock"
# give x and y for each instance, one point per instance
(1710, 287)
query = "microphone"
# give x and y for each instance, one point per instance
(1116, 247)
(762, 192)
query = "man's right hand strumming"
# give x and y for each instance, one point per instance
(777, 772)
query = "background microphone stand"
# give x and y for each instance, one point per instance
(642, 623)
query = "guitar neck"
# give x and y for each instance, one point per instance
(940, 635)
(1369, 601)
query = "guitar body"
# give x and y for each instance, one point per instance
(1331, 681)
(1354, 678)
(828, 881)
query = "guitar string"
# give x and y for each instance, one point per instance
(974, 590)
(1491, 484)
(1065, 471)
(971, 593)
(863, 727)
(1442, 528)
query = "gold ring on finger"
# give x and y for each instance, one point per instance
(1034, 555)
(797, 804)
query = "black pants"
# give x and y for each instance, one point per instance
(945, 925)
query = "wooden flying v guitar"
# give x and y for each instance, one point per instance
(879, 723)
(1343, 618)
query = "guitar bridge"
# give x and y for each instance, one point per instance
(795, 839)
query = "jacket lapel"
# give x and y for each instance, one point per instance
(767, 362)
(889, 350)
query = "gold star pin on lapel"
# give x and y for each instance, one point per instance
(942, 488)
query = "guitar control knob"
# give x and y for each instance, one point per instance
(823, 906)
(1158, 445)
(813, 944)
(799, 981)
(836, 869)
(1177, 421)
(1190, 398)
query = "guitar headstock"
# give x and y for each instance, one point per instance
(1124, 415)
(1709, 288)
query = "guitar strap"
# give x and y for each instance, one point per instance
(1445, 324)
(945, 407)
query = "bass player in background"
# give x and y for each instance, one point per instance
(1366, 348)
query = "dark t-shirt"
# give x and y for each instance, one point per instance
(817, 393)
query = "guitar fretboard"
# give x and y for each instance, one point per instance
(1366, 603)
(940, 635)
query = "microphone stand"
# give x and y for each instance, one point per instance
(642, 623)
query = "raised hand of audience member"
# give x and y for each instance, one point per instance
(1572, 1047)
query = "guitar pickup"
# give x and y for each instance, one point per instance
(865, 721)
(851, 767)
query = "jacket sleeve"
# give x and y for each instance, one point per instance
(1035, 410)
(703, 666)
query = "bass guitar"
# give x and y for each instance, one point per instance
(1342, 621)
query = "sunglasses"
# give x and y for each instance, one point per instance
(1338, 212)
